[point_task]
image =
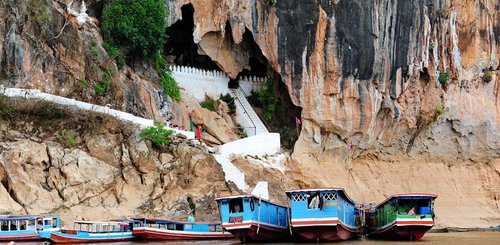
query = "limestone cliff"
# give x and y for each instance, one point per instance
(365, 72)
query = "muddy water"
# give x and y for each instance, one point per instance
(455, 238)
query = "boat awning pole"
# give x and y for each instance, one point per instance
(258, 215)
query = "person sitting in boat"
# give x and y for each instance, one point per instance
(39, 226)
(191, 217)
(412, 211)
(314, 204)
(237, 208)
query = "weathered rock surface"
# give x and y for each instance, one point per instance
(113, 173)
(214, 124)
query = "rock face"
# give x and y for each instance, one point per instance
(112, 173)
(365, 72)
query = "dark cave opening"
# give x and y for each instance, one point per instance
(181, 48)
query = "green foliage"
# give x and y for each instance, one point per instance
(439, 110)
(103, 87)
(310, 22)
(268, 100)
(68, 138)
(40, 11)
(48, 111)
(7, 107)
(432, 46)
(135, 27)
(240, 131)
(84, 83)
(170, 86)
(157, 134)
(271, 2)
(444, 77)
(488, 76)
(230, 102)
(115, 53)
(209, 104)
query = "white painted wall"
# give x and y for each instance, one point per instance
(197, 83)
(260, 144)
(33, 94)
(249, 84)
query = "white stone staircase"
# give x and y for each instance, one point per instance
(246, 114)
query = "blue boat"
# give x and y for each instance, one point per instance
(252, 219)
(27, 227)
(323, 215)
(94, 232)
(159, 229)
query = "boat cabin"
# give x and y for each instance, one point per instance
(177, 225)
(100, 227)
(31, 223)
(327, 203)
(242, 208)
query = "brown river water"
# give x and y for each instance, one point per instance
(458, 238)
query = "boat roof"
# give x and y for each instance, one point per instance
(408, 196)
(98, 222)
(247, 195)
(166, 221)
(25, 217)
(289, 192)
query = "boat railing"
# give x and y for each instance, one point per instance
(72, 232)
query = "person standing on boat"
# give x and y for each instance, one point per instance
(412, 211)
(314, 204)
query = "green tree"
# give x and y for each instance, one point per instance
(136, 27)
(159, 135)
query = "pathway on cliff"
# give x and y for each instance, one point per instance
(244, 107)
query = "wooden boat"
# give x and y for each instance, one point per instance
(94, 232)
(252, 219)
(158, 229)
(323, 215)
(390, 220)
(27, 227)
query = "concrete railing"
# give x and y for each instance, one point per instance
(34, 94)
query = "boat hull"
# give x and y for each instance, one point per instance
(401, 232)
(20, 237)
(69, 238)
(324, 233)
(253, 232)
(161, 234)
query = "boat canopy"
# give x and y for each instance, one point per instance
(409, 196)
(16, 218)
(247, 195)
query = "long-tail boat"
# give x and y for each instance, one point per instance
(323, 215)
(27, 227)
(159, 229)
(253, 219)
(94, 232)
(402, 217)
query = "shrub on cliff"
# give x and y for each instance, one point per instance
(443, 78)
(157, 134)
(7, 107)
(136, 27)
(488, 76)
(167, 81)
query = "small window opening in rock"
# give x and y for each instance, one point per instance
(181, 49)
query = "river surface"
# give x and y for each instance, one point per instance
(455, 238)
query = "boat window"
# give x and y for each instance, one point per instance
(179, 227)
(313, 201)
(188, 227)
(277, 216)
(54, 222)
(170, 226)
(331, 196)
(47, 222)
(298, 197)
(5, 226)
(31, 223)
(13, 225)
(236, 205)
(211, 228)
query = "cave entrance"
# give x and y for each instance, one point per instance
(180, 47)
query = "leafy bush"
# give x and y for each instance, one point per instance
(170, 86)
(444, 77)
(135, 27)
(7, 107)
(84, 83)
(40, 11)
(439, 110)
(209, 104)
(102, 87)
(68, 138)
(157, 134)
(266, 100)
(488, 76)
(230, 102)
